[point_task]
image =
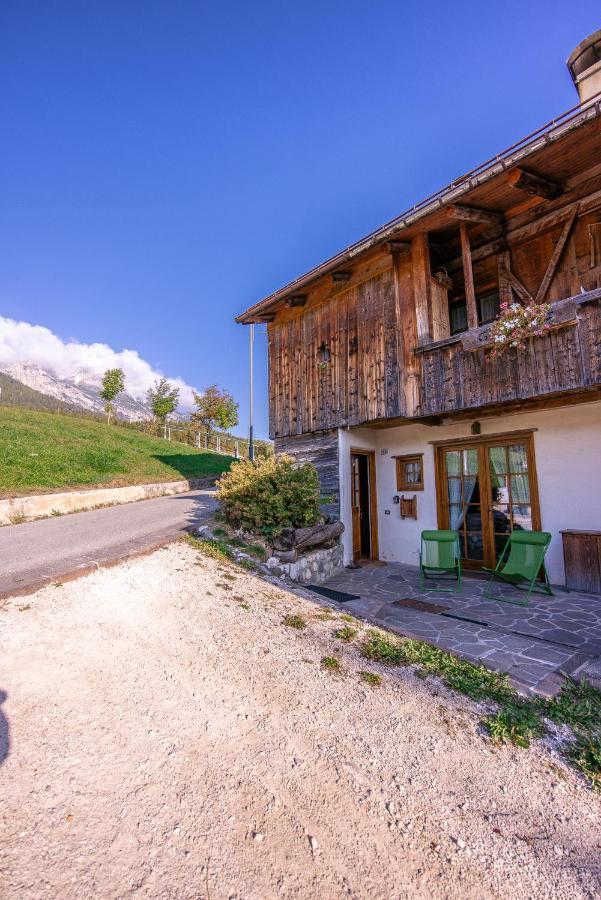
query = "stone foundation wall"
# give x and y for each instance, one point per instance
(312, 568)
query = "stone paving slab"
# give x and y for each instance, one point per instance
(532, 644)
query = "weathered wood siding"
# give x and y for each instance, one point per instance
(322, 451)
(567, 358)
(379, 326)
(361, 383)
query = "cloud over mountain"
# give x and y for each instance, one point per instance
(21, 342)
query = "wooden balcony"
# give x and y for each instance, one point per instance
(458, 373)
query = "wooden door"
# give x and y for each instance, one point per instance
(487, 489)
(356, 505)
(364, 505)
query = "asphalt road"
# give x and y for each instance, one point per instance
(36, 553)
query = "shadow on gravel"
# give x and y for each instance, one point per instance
(4, 731)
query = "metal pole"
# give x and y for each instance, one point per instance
(251, 447)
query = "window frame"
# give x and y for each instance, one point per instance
(402, 484)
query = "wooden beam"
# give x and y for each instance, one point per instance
(396, 246)
(422, 285)
(341, 277)
(472, 214)
(516, 284)
(265, 318)
(296, 301)
(554, 261)
(533, 184)
(468, 277)
(492, 248)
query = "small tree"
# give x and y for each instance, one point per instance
(215, 407)
(163, 399)
(113, 383)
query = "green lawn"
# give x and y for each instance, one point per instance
(41, 451)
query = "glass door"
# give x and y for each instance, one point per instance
(510, 493)
(487, 490)
(464, 506)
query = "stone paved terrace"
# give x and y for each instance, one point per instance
(534, 644)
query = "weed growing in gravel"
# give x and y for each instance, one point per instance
(346, 633)
(294, 622)
(331, 663)
(247, 564)
(516, 723)
(371, 678)
(346, 618)
(586, 756)
(578, 705)
(220, 532)
(55, 512)
(215, 549)
(325, 615)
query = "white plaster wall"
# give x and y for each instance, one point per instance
(567, 446)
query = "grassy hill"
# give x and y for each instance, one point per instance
(44, 451)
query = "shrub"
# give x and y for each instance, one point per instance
(270, 494)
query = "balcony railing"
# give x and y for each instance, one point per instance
(459, 374)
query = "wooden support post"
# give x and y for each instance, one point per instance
(441, 327)
(503, 266)
(409, 364)
(468, 277)
(422, 286)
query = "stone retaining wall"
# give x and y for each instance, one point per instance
(312, 568)
(40, 506)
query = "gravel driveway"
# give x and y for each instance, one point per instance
(169, 737)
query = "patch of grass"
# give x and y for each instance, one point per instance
(371, 678)
(382, 648)
(55, 512)
(257, 550)
(293, 621)
(208, 547)
(331, 663)
(220, 532)
(353, 621)
(578, 704)
(42, 451)
(468, 678)
(325, 615)
(515, 723)
(247, 564)
(346, 633)
(586, 756)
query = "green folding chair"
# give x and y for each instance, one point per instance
(440, 556)
(520, 563)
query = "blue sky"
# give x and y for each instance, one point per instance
(164, 165)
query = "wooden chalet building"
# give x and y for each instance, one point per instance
(379, 372)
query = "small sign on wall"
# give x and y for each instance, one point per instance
(408, 507)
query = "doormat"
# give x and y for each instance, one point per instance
(421, 605)
(338, 596)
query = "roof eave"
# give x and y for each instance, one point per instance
(553, 131)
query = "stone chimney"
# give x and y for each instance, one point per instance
(584, 63)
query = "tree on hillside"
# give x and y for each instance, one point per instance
(163, 399)
(215, 408)
(113, 383)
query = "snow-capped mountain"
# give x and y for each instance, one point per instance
(81, 388)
